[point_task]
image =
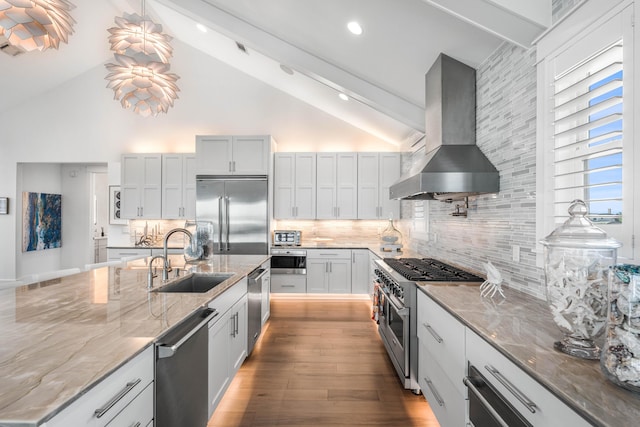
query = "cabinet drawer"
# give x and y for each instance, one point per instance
(139, 412)
(288, 283)
(329, 253)
(445, 399)
(110, 396)
(443, 337)
(116, 254)
(223, 302)
(549, 410)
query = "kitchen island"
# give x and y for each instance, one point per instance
(521, 328)
(61, 337)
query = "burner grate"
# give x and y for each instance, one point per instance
(430, 270)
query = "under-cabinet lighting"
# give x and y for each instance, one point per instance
(201, 28)
(343, 96)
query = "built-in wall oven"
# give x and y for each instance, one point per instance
(288, 261)
(288, 270)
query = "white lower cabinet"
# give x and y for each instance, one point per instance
(360, 271)
(517, 387)
(329, 271)
(266, 292)
(441, 361)
(289, 283)
(124, 398)
(446, 350)
(227, 340)
(445, 400)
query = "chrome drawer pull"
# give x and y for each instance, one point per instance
(136, 424)
(115, 399)
(433, 333)
(484, 402)
(530, 405)
(434, 391)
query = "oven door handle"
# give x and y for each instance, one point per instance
(469, 383)
(528, 403)
(402, 312)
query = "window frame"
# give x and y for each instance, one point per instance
(590, 20)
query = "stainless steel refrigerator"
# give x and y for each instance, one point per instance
(235, 210)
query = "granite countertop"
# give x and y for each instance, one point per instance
(522, 329)
(60, 337)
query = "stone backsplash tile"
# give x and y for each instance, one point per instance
(506, 133)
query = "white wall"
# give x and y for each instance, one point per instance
(79, 122)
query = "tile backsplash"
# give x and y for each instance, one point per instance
(496, 224)
(338, 231)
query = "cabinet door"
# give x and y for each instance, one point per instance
(339, 276)
(219, 359)
(346, 186)
(250, 155)
(305, 186)
(389, 175)
(266, 295)
(151, 186)
(130, 179)
(284, 186)
(317, 270)
(368, 190)
(141, 186)
(360, 271)
(238, 333)
(172, 174)
(326, 186)
(189, 186)
(213, 155)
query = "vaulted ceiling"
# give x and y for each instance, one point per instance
(303, 48)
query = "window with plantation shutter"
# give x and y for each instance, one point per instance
(586, 86)
(588, 136)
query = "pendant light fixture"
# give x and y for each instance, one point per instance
(36, 24)
(140, 77)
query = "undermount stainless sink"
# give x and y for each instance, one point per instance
(194, 283)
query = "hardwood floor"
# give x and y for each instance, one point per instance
(320, 363)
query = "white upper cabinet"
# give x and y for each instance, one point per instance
(232, 155)
(376, 173)
(141, 186)
(294, 186)
(179, 186)
(337, 186)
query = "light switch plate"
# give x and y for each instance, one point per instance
(4, 206)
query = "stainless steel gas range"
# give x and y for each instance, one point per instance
(397, 305)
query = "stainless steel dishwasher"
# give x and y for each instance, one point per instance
(182, 373)
(254, 307)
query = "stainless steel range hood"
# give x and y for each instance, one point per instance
(453, 166)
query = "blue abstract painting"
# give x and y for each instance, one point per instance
(41, 221)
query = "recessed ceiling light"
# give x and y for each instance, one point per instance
(355, 28)
(201, 28)
(343, 96)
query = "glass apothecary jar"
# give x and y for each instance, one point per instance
(620, 358)
(201, 248)
(577, 256)
(391, 238)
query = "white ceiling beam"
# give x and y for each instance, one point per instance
(301, 61)
(516, 21)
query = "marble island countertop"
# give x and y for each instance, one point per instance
(522, 329)
(60, 337)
